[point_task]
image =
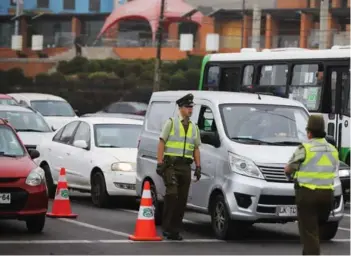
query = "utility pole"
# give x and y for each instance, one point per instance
(159, 38)
(242, 23)
(17, 17)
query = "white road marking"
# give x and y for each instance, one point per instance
(87, 225)
(348, 215)
(125, 241)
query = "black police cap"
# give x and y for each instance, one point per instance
(186, 100)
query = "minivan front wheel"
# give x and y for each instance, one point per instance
(223, 226)
(328, 230)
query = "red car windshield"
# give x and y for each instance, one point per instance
(9, 143)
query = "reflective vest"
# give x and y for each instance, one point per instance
(318, 169)
(179, 144)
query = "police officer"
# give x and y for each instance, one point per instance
(313, 168)
(177, 149)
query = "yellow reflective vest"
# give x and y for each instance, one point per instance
(318, 169)
(180, 144)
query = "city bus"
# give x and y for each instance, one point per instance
(320, 79)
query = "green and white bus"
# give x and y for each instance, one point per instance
(320, 79)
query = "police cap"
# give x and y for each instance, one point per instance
(186, 101)
(316, 124)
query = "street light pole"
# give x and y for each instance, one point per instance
(159, 35)
(17, 17)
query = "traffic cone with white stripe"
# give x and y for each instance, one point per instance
(61, 207)
(145, 229)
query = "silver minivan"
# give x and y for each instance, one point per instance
(246, 141)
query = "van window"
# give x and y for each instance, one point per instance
(158, 114)
(206, 120)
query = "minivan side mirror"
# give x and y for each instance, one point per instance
(33, 153)
(53, 128)
(330, 140)
(80, 144)
(211, 138)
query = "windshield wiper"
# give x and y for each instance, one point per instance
(7, 155)
(28, 130)
(108, 146)
(289, 143)
(252, 140)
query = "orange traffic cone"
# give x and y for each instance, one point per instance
(145, 229)
(61, 207)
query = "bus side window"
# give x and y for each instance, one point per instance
(345, 93)
(213, 76)
(247, 76)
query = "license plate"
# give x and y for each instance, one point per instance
(5, 198)
(287, 210)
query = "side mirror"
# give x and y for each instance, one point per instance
(53, 128)
(80, 144)
(76, 111)
(330, 140)
(211, 138)
(33, 153)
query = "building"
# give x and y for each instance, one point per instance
(276, 23)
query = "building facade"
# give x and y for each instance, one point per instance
(274, 24)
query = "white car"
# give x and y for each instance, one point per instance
(56, 110)
(29, 125)
(99, 155)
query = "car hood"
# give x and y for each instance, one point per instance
(58, 121)
(34, 138)
(120, 154)
(263, 154)
(16, 167)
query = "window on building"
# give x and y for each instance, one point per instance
(42, 3)
(69, 4)
(94, 5)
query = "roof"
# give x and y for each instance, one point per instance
(37, 96)
(174, 10)
(5, 96)
(282, 55)
(113, 115)
(110, 120)
(14, 108)
(218, 97)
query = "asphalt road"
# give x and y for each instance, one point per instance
(106, 231)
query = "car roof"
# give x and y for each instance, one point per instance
(220, 97)
(15, 108)
(5, 96)
(38, 96)
(110, 120)
(114, 115)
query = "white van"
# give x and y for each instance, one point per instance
(247, 139)
(56, 110)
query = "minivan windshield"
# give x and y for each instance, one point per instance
(9, 144)
(53, 108)
(264, 124)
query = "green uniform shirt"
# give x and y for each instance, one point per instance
(297, 158)
(167, 129)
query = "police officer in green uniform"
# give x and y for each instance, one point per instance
(313, 167)
(177, 149)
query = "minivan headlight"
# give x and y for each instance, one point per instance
(344, 173)
(244, 166)
(122, 167)
(36, 177)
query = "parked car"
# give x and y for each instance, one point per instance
(30, 125)
(56, 110)
(7, 100)
(247, 139)
(99, 155)
(23, 192)
(126, 107)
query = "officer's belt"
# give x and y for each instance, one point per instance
(174, 160)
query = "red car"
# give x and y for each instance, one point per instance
(7, 100)
(23, 191)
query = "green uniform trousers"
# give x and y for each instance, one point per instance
(313, 210)
(177, 179)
